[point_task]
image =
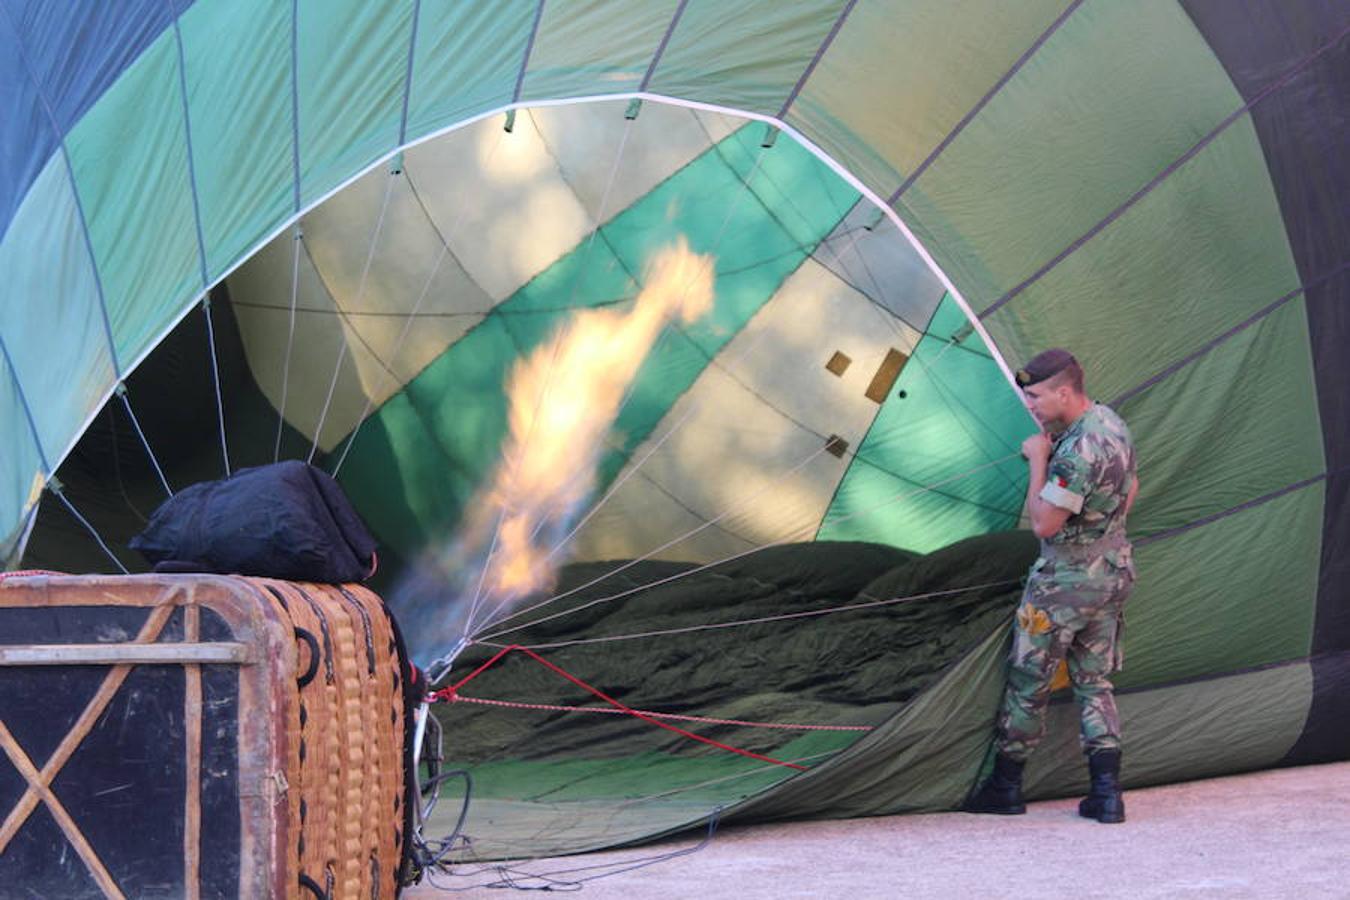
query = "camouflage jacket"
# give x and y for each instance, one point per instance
(1091, 472)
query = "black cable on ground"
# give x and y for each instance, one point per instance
(430, 854)
(521, 880)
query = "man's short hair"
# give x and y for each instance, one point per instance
(1056, 365)
(1072, 375)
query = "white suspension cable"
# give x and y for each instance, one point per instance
(704, 567)
(55, 487)
(482, 580)
(513, 596)
(450, 235)
(215, 372)
(628, 473)
(290, 339)
(671, 543)
(740, 196)
(548, 371)
(121, 391)
(927, 369)
(721, 232)
(341, 319)
(760, 620)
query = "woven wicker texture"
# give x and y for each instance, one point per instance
(346, 785)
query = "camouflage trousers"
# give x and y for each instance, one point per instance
(1066, 617)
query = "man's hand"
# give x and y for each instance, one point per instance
(1046, 518)
(1037, 448)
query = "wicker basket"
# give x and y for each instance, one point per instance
(200, 736)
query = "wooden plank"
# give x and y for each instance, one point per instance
(126, 653)
(37, 785)
(154, 624)
(192, 727)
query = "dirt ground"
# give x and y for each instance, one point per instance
(1282, 833)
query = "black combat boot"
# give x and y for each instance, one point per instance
(1001, 792)
(1104, 802)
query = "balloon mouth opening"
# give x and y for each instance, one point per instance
(340, 315)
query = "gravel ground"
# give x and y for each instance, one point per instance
(1281, 833)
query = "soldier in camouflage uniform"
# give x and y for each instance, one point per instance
(1082, 483)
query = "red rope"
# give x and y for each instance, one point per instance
(546, 707)
(449, 693)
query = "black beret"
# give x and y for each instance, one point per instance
(1043, 365)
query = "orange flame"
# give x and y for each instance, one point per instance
(563, 400)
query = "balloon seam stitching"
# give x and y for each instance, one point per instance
(1162, 176)
(187, 139)
(661, 47)
(408, 75)
(74, 191)
(820, 54)
(529, 48)
(1234, 510)
(984, 101)
(1230, 333)
(27, 408)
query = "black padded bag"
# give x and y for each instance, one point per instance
(286, 520)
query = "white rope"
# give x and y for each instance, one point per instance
(290, 340)
(629, 471)
(482, 580)
(145, 442)
(761, 619)
(215, 371)
(490, 622)
(795, 535)
(553, 358)
(412, 314)
(619, 482)
(514, 595)
(927, 369)
(650, 553)
(854, 236)
(721, 233)
(56, 488)
(342, 319)
(510, 598)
